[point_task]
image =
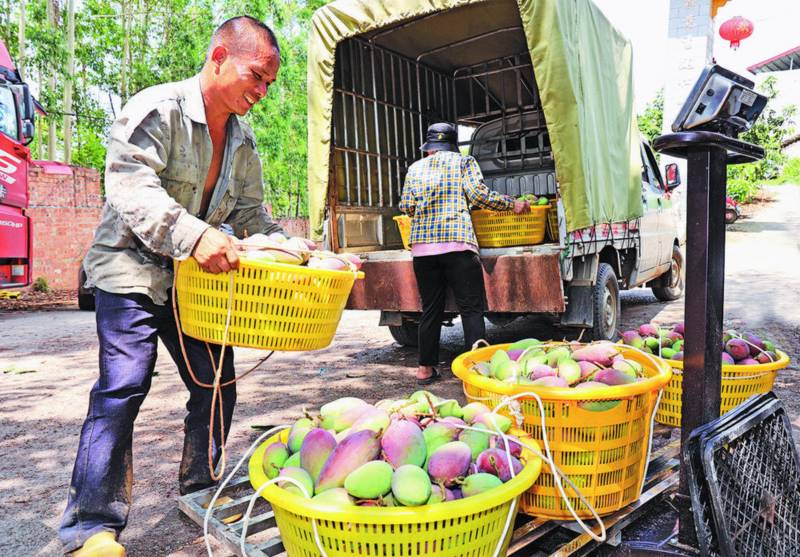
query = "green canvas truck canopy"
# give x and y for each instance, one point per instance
(582, 67)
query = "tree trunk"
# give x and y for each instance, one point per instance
(21, 39)
(126, 51)
(51, 83)
(68, 84)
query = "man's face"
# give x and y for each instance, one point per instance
(245, 77)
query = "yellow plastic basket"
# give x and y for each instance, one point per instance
(738, 384)
(500, 229)
(275, 306)
(404, 225)
(552, 223)
(471, 526)
(603, 452)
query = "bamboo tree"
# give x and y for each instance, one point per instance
(51, 129)
(68, 84)
(21, 40)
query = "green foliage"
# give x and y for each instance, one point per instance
(790, 173)
(652, 121)
(41, 285)
(742, 190)
(167, 41)
(769, 131)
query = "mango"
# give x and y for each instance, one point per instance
(737, 348)
(678, 328)
(542, 370)
(375, 419)
(555, 355)
(678, 356)
(515, 353)
(478, 483)
(596, 405)
(755, 343)
(336, 497)
(531, 359)
(342, 413)
(588, 368)
(293, 461)
(653, 344)
(678, 345)
(438, 434)
(628, 337)
(477, 441)
(601, 353)
(439, 494)
(298, 432)
(370, 480)
(403, 443)
(497, 442)
(767, 357)
(524, 344)
(317, 447)
(482, 368)
(472, 410)
(451, 408)
(727, 359)
(769, 346)
(388, 500)
(494, 421)
(495, 461)
(747, 362)
(356, 449)
(507, 371)
(729, 335)
(552, 381)
(497, 358)
(449, 462)
(613, 376)
(275, 457)
(411, 485)
(668, 353)
(301, 476)
(569, 370)
(630, 367)
(648, 330)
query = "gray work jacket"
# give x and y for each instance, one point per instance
(158, 156)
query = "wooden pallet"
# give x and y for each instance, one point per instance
(530, 534)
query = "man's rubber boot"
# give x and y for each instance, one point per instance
(102, 544)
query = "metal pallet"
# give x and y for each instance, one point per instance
(565, 538)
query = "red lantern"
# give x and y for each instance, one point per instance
(736, 29)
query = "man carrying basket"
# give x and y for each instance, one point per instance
(438, 193)
(180, 164)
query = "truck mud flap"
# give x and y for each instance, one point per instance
(579, 308)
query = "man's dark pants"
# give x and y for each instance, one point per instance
(463, 273)
(128, 327)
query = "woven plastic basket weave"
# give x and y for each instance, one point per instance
(603, 452)
(471, 526)
(738, 384)
(274, 306)
(500, 229)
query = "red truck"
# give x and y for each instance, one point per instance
(17, 113)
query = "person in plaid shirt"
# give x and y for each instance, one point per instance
(438, 193)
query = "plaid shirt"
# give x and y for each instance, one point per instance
(438, 193)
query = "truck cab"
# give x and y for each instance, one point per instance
(16, 131)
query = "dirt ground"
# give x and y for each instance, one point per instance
(48, 358)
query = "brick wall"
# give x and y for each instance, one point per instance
(65, 206)
(64, 209)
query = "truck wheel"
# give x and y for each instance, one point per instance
(405, 334)
(605, 303)
(674, 278)
(730, 216)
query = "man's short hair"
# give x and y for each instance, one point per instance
(237, 33)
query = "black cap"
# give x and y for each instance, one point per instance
(441, 137)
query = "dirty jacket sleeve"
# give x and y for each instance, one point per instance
(139, 149)
(249, 216)
(475, 190)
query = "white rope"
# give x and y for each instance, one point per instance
(227, 480)
(254, 497)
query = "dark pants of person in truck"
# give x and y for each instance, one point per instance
(463, 273)
(129, 326)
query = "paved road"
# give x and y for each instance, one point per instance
(41, 411)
